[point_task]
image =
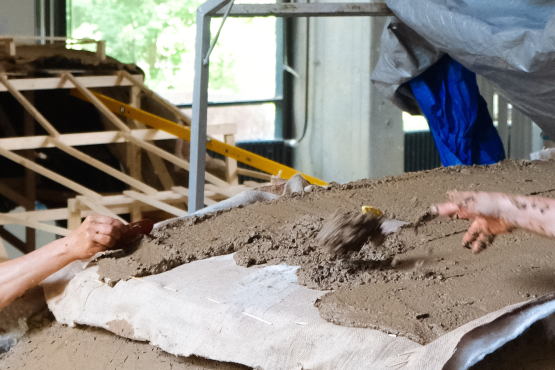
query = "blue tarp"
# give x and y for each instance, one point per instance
(459, 120)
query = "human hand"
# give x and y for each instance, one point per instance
(98, 233)
(488, 211)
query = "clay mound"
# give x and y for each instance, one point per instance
(420, 283)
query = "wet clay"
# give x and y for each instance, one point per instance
(344, 232)
(58, 347)
(420, 283)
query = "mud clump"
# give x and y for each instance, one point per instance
(298, 244)
(349, 231)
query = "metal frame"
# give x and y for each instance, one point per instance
(215, 8)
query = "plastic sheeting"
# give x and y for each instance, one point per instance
(510, 43)
(457, 114)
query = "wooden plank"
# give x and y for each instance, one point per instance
(73, 214)
(217, 146)
(49, 83)
(173, 159)
(29, 107)
(13, 240)
(81, 139)
(93, 99)
(99, 208)
(104, 167)
(101, 50)
(229, 192)
(9, 219)
(15, 197)
(184, 191)
(30, 176)
(155, 203)
(50, 174)
(255, 174)
(172, 108)
(134, 153)
(230, 163)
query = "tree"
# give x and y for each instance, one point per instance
(157, 35)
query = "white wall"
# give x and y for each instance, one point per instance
(353, 132)
(17, 17)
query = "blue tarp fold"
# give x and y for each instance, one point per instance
(459, 120)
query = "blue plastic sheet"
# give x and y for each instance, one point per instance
(459, 120)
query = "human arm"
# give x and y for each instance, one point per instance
(96, 234)
(497, 213)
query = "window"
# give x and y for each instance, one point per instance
(159, 36)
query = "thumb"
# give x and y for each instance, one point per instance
(143, 227)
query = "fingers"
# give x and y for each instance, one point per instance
(134, 229)
(479, 235)
(110, 230)
(107, 220)
(445, 209)
(105, 234)
(484, 241)
(105, 240)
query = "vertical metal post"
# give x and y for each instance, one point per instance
(280, 38)
(200, 109)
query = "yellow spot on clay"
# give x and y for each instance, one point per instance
(374, 211)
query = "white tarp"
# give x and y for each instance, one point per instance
(509, 42)
(202, 308)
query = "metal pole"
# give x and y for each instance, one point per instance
(199, 119)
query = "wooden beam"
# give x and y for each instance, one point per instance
(15, 197)
(87, 138)
(99, 208)
(97, 103)
(104, 167)
(73, 214)
(185, 192)
(173, 159)
(155, 203)
(13, 240)
(50, 174)
(9, 219)
(241, 155)
(50, 83)
(29, 107)
(172, 108)
(30, 175)
(230, 163)
(255, 174)
(228, 192)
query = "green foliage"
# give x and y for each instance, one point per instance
(155, 34)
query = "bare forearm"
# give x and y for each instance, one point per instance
(20, 274)
(530, 213)
(535, 214)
